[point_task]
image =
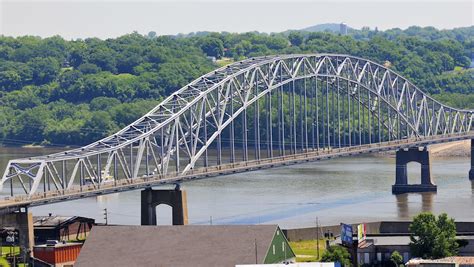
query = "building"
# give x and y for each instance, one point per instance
(184, 245)
(372, 228)
(376, 249)
(445, 262)
(343, 28)
(297, 264)
(57, 254)
(61, 228)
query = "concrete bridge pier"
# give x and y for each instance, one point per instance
(20, 221)
(176, 198)
(471, 172)
(413, 154)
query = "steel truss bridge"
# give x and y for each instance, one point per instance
(257, 113)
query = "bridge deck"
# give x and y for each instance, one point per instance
(13, 203)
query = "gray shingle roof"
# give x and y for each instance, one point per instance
(176, 246)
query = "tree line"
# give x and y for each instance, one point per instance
(72, 92)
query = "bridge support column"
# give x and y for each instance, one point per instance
(471, 172)
(20, 221)
(176, 198)
(404, 156)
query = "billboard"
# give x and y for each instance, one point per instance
(346, 234)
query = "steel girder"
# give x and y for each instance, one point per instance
(343, 101)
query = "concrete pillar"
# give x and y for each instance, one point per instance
(471, 172)
(21, 221)
(176, 198)
(413, 154)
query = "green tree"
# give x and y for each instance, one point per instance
(98, 126)
(296, 38)
(44, 70)
(396, 258)
(212, 47)
(88, 68)
(337, 253)
(103, 57)
(9, 80)
(433, 237)
(30, 124)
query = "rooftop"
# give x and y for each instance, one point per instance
(58, 245)
(188, 245)
(53, 221)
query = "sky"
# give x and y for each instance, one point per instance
(112, 18)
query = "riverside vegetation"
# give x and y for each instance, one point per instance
(59, 92)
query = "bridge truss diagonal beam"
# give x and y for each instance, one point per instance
(273, 106)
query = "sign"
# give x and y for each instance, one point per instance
(10, 239)
(8, 235)
(361, 232)
(346, 234)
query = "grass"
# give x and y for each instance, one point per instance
(224, 61)
(306, 250)
(8, 250)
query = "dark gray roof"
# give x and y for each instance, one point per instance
(50, 221)
(54, 220)
(189, 245)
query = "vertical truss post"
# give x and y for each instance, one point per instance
(232, 141)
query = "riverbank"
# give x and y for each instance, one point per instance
(459, 149)
(454, 149)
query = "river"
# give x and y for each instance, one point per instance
(356, 189)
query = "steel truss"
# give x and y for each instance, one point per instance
(273, 105)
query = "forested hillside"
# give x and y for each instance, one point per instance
(54, 91)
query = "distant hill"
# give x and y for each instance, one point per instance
(331, 27)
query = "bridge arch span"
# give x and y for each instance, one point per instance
(273, 106)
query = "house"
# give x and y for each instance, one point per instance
(57, 254)
(61, 228)
(184, 245)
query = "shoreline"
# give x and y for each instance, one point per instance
(458, 149)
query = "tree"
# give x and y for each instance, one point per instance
(88, 68)
(396, 258)
(433, 237)
(44, 70)
(337, 253)
(213, 47)
(296, 38)
(98, 126)
(9, 80)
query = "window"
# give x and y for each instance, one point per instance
(282, 246)
(405, 256)
(366, 258)
(273, 249)
(379, 256)
(278, 232)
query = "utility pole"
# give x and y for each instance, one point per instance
(106, 217)
(256, 258)
(317, 238)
